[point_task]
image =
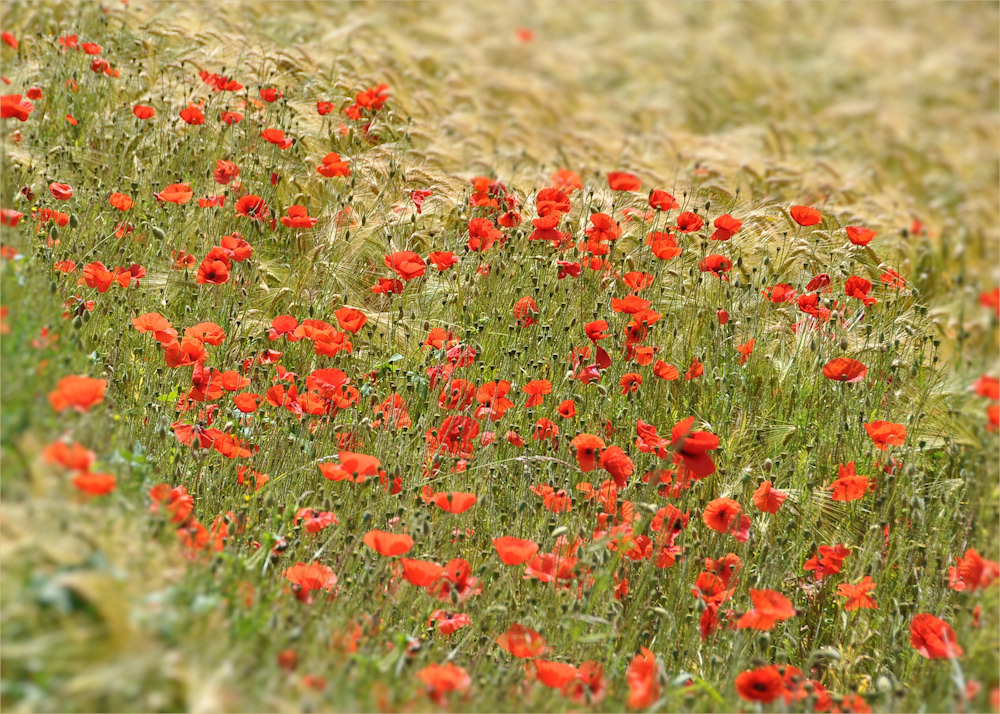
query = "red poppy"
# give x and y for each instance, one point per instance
(805, 216)
(482, 234)
(454, 501)
(849, 486)
(277, 137)
(857, 595)
(421, 573)
(617, 463)
(524, 312)
(763, 684)
(9, 39)
(726, 227)
(885, 434)
(522, 642)
(12, 107)
(77, 392)
(443, 678)
(663, 245)
(567, 180)
(61, 191)
(566, 409)
(10, 217)
(691, 448)
(536, 391)
(769, 607)
(933, 638)
(71, 456)
(621, 181)
(179, 193)
(96, 275)
(406, 264)
(298, 217)
(721, 514)
(665, 371)
(688, 222)
(828, 561)
(973, 572)
(71, 119)
(859, 288)
(745, 350)
(514, 551)
(94, 484)
(313, 576)
(767, 498)
(121, 201)
(860, 236)
(333, 165)
(388, 544)
(587, 449)
(214, 272)
(718, 265)
(642, 677)
(662, 201)
(192, 115)
(845, 369)
(253, 206)
(230, 117)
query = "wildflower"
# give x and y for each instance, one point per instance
(514, 551)
(522, 642)
(767, 498)
(769, 607)
(857, 595)
(298, 217)
(885, 434)
(388, 544)
(745, 350)
(308, 577)
(443, 678)
(277, 137)
(844, 369)
(662, 201)
(622, 181)
(726, 227)
(587, 449)
(973, 572)
(718, 265)
(13, 107)
(120, 201)
(860, 236)
(179, 193)
(78, 392)
(141, 111)
(689, 222)
(253, 206)
(933, 638)
(192, 115)
(333, 165)
(454, 501)
(524, 311)
(94, 484)
(805, 216)
(61, 191)
(642, 676)
(763, 684)
(849, 486)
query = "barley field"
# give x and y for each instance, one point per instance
(500, 356)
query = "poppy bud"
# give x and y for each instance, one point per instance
(77, 322)
(86, 316)
(73, 221)
(768, 465)
(843, 343)
(54, 231)
(158, 233)
(52, 286)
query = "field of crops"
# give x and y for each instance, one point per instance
(562, 356)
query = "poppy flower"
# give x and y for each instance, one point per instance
(745, 350)
(230, 117)
(225, 171)
(642, 677)
(407, 264)
(192, 115)
(845, 369)
(482, 234)
(253, 206)
(213, 272)
(763, 684)
(691, 448)
(61, 191)
(71, 120)
(307, 577)
(718, 265)
(9, 39)
(566, 409)
(96, 275)
(885, 434)
(973, 572)
(587, 449)
(298, 217)
(73, 456)
(622, 181)
(536, 391)
(385, 286)
(933, 638)
(333, 165)
(828, 561)
(388, 544)
(617, 463)
(443, 678)
(662, 201)
(805, 216)
(120, 201)
(630, 382)
(767, 498)
(443, 260)
(859, 236)
(514, 551)
(270, 94)
(688, 222)
(143, 112)
(12, 107)
(179, 193)
(726, 227)
(454, 501)
(350, 319)
(769, 607)
(566, 180)
(857, 595)
(524, 312)
(94, 484)
(665, 371)
(277, 137)
(421, 573)
(522, 642)
(849, 486)
(78, 392)
(10, 217)
(721, 514)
